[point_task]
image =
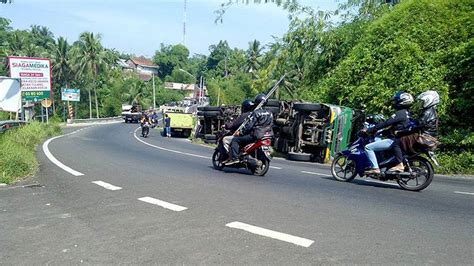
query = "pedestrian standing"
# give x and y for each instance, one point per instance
(167, 126)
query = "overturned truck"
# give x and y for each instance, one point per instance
(303, 131)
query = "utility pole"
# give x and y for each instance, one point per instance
(154, 97)
(184, 24)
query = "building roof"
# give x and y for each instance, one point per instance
(144, 76)
(142, 61)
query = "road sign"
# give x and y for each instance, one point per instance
(68, 94)
(35, 96)
(35, 76)
(46, 103)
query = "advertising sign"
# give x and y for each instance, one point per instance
(73, 95)
(9, 94)
(35, 76)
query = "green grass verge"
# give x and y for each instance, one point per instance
(455, 163)
(17, 150)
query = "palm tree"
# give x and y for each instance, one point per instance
(253, 56)
(89, 57)
(60, 56)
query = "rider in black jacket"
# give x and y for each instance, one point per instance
(246, 109)
(260, 123)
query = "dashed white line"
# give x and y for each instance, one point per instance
(106, 185)
(464, 193)
(56, 161)
(381, 182)
(313, 173)
(272, 234)
(165, 149)
(163, 204)
(275, 167)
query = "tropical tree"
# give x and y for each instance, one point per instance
(253, 56)
(89, 57)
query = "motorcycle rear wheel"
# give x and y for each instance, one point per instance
(423, 170)
(215, 160)
(343, 169)
(263, 169)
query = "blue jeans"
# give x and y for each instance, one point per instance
(380, 145)
(168, 131)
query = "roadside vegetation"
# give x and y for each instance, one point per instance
(356, 56)
(17, 150)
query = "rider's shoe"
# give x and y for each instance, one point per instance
(397, 168)
(372, 171)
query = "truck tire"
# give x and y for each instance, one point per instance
(306, 107)
(274, 110)
(200, 113)
(209, 108)
(302, 157)
(273, 103)
(211, 113)
(210, 137)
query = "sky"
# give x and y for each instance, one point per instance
(139, 26)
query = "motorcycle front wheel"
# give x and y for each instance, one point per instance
(422, 175)
(216, 163)
(343, 169)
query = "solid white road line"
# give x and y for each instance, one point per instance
(272, 234)
(163, 204)
(381, 182)
(275, 167)
(106, 185)
(464, 193)
(165, 149)
(313, 173)
(55, 161)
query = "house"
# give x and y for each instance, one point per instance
(144, 67)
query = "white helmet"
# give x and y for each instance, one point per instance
(429, 98)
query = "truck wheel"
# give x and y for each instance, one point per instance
(274, 110)
(302, 157)
(210, 137)
(273, 103)
(306, 107)
(200, 113)
(209, 108)
(211, 113)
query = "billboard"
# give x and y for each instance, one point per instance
(68, 94)
(35, 76)
(10, 94)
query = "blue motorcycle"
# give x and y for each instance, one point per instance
(417, 175)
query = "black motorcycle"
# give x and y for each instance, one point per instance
(145, 129)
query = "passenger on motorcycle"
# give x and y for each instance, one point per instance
(427, 122)
(260, 123)
(398, 121)
(245, 110)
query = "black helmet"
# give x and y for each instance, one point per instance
(260, 98)
(247, 106)
(402, 100)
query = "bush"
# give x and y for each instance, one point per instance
(17, 150)
(456, 163)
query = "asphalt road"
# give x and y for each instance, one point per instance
(159, 200)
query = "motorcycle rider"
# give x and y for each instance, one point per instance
(260, 123)
(245, 110)
(143, 120)
(399, 120)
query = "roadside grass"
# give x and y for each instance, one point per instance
(17, 150)
(455, 163)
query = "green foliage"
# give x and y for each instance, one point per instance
(17, 150)
(170, 57)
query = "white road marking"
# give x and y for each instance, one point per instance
(106, 185)
(464, 193)
(313, 173)
(165, 149)
(275, 167)
(54, 160)
(163, 204)
(272, 234)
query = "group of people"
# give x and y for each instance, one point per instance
(152, 118)
(401, 130)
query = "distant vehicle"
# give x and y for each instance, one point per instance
(5, 125)
(181, 123)
(131, 113)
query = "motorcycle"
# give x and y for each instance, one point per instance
(145, 129)
(417, 175)
(255, 156)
